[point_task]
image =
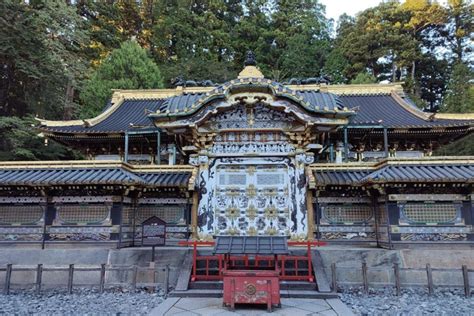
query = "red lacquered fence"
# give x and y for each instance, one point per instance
(291, 267)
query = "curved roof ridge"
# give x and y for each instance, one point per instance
(277, 89)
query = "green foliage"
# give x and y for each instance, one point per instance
(128, 67)
(40, 56)
(335, 67)
(19, 141)
(460, 98)
(461, 147)
(459, 30)
(364, 77)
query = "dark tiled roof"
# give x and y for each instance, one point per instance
(130, 115)
(319, 100)
(166, 179)
(84, 176)
(68, 176)
(384, 110)
(340, 177)
(260, 245)
(395, 173)
(422, 173)
(180, 102)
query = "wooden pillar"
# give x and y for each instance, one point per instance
(158, 148)
(310, 213)
(346, 145)
(385, 141)
(194, 215)
(125, 157)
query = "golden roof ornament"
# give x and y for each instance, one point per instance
(250, 70)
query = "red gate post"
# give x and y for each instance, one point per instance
(193, 278)
(310, 265)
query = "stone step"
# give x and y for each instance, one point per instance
(283, 294)
(284, 285)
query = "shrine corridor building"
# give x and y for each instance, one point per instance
(348, 164)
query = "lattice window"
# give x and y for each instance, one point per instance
(353, 213)
(127, 214)
(22, 213)
(171, 214)
(83, 213)
(438, 213)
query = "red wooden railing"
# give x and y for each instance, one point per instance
(209, 273)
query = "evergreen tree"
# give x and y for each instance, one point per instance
(301, 39)
(41, 61)
(460, 98)
(364, 78)
(128, 67)
(19, 141)
(459, 29)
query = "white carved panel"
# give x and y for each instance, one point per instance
(252, 196)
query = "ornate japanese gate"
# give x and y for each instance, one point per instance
(250, 139)
(252, 180)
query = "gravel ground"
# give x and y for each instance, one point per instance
(411, 302)
(81, 302)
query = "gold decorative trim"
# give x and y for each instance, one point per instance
(311, 178)
(455, 116)
(192, 179)
(5, 165)
(354, 88)
(59, 123)
(250, 72)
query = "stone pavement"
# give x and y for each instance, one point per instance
(213, 306)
